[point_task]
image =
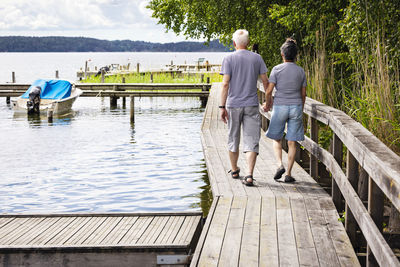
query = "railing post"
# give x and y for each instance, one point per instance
(375, 208)
(57, 74)
(338, 155)
(313, 159)
(102, 76)
(352, 175)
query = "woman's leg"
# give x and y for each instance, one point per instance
(291, 156)
(277, 146)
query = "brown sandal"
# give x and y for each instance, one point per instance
(248, 183)
(235, 174)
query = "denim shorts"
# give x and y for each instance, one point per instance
(290, 114)
(247, 118)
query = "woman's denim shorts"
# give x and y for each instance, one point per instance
(290, 114)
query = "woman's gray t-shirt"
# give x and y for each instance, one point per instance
(243, 67)
(288, 78)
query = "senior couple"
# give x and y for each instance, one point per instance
(239, 105)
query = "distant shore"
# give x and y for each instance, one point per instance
(83, 44)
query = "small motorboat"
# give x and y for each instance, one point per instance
(45, 95)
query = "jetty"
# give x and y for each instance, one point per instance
(113, 239)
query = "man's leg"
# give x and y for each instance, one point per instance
(291, 156)
(251, 161)
(234, 156)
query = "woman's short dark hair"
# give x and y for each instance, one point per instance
(289, 49)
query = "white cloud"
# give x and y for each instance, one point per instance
(105, 19)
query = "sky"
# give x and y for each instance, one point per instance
(101, 19)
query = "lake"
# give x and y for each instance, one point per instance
(94, 159)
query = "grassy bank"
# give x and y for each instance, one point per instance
(157, 78)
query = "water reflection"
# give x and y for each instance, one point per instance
(94, 160)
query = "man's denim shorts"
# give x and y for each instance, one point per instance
(290, 114)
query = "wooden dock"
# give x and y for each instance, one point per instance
(272, 223)
(125, 239)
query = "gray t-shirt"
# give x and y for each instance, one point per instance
(288, 78)
(243, 67)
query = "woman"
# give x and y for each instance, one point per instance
(290, 83)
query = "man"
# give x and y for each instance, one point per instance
(239, 102)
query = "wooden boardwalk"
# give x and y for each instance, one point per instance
(95, 239)
(272, 223)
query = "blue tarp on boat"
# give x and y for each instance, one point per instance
(51, 89)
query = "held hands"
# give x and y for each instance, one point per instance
(267, 106)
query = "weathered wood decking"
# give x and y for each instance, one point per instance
(95, 239)
(271, 224)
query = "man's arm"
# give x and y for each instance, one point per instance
(224, 96)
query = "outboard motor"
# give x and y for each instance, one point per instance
(33, 103)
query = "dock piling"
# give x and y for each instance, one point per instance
(50, 115)
(132, 111)
(57, 74)
(123, 98)
(102, 75)
(8, 99)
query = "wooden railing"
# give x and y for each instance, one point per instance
(367, 159)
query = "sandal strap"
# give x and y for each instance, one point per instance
(234, 172)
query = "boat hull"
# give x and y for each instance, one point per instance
(59, 106)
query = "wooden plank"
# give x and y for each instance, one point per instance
(51, 232)
(323, 243)
(251, 232)
(341, 242)
(68, 231)
(97, 236)
(304, 239)
(269, 253)
(148, 232)
(230, 251)
(35, 231)
(171, 235)
(352, 174)
(195, 228)
(216, 233)
(286, 237)
(155, 232)
(136, 231)
(5, 221)
(21, 230)
(173, 223)
(204, 233)
(11, 227)
(185, 229)
(116, 235)
(85, 231)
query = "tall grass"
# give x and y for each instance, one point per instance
(369, 92)
(157, 78)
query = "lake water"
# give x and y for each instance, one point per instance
(94, 160)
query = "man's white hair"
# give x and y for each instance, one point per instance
(241, 37)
